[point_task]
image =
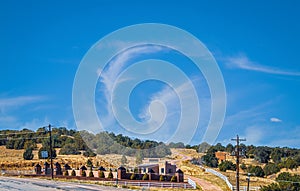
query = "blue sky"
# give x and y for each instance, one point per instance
(255, 44)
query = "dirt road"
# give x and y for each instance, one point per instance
(205, 185)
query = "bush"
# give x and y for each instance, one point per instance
(89, 163)
(227, 165)
(132, 177)
(101, 174)
(83, 173)
(73, 173)
(271, 168)
(256, 170)
(210, 160)
(30, 144)
(69, 149)
(66, 173)
(110, 175)
(243, 167)
(145, 177)
(91, 174)
(27, 155)
(174, 179)
(89, 153)
(161, 178)
(271, 187)
(288, 181)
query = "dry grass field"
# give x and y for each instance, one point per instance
(11, 159)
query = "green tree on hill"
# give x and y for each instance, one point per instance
(271, 168)
(27, 155)
(227, 165)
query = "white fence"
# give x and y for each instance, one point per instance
(153, 184)
(16, 172)
(223, 177)
(192, 183)
(244, 188)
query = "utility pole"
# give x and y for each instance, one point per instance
(50, 142)
(237, 155)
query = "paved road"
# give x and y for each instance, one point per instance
(32, 184)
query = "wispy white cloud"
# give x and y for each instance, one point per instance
(254, 134)
(35, 123)
(12, 107)
(251, 115)
(6, 120)
(243, 62)
(19, 101)
(109, 76)
(173, 99)
(275, 120)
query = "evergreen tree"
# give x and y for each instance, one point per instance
(27, 155)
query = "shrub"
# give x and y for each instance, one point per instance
(132, 177)
(66, 173)
(69, 149)
(91, 174)
(73, 173)
(89, 153)
(256, 170)
(271, 187)
(161, 178)
(243, 167)
(145, 177)
(89, 163)
(27, 155)
(174, 179)
(110, 175)
(83, 173)
(226, 165)
(101, 174)
(271, 168)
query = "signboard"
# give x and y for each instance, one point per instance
(44, 154)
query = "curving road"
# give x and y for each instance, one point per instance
(32, 184)
(205, 185)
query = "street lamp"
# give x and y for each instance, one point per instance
(248, 181)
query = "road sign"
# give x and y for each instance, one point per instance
(44, 154)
